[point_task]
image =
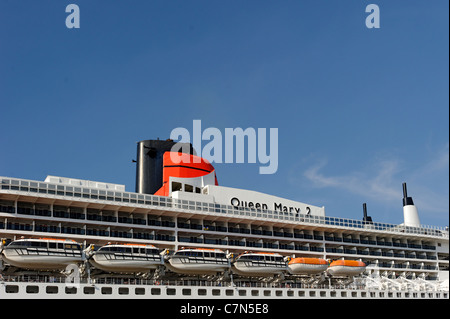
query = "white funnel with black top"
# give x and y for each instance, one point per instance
(410, 214)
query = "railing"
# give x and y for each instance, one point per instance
(128, 198)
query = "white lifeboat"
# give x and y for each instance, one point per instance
(126, 258)
(307, 266)
(346, 268)
(198, 261)
(42, 253)
(256, 264)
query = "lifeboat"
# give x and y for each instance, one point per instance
(198, 261)
(42, 253)
(346, 268)
(126, 258)
(307, 266)
(259, 264)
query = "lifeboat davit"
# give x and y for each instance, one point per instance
(126, 258)
(346, 268)
(198, 261)
(42, 253)
(307, 266)
(259, 264)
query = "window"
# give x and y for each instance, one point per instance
(155, 291)
(171, 291)
(51, 289)
(188, 188)
(38, 244)
(71, 290)
(176, 186)
(89, 290)
(32, 289)
(186, 292)
(139, 291)
(216, 292)
(229, 292)
(72, 246)
(106, 290)
(123, 291)
(11, 289)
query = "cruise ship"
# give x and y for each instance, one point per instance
(181, 235)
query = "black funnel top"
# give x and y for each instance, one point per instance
(406, 200)
(149, 168)
(366, 219)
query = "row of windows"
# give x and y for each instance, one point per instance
(193, 205)
(90, 216)
(129, 250)
(90, 232)
(221, 255)
(43, 244)
(262, 257)
(152, 222)
(81, 231)
(200, 254)
(210, 241)
(33, 289)
(176, 186)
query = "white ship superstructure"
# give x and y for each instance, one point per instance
(198, 239)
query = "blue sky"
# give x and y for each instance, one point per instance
(358, 110)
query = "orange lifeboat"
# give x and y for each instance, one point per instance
(307, 266)
(346, 268)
